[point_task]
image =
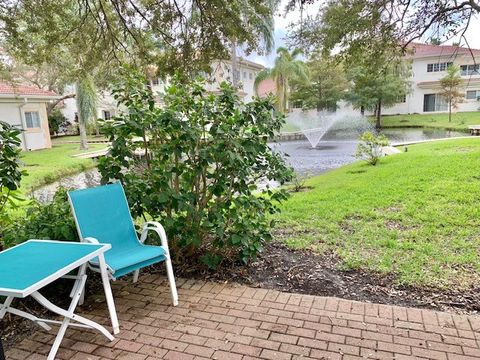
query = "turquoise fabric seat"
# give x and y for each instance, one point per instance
(124, 261)
(102, 213)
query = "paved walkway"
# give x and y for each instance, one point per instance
(220, 321)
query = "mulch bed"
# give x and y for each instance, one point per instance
(302, 271)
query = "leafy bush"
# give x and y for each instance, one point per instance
(55, 121)
(10, 174)
(299, 180)
(44, 221)
(370, 147)
(203, 155)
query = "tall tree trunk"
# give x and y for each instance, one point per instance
(82, 127)
(234, 63)
(285, 92)
(450, 110)
(378, 123)
(86, 100)
(82, 122)
(280, 93)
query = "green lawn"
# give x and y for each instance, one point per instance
(416, 214)
(460, 121)
(46, 166)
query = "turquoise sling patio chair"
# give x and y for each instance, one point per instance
(102, 215)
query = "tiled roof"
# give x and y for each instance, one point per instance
(425, 50)
(7, 88)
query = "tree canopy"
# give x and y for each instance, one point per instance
(173, 35)
(326, 87)
(376, 85)
(451, 89)
(351, 27)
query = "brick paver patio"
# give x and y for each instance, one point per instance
(224, 321)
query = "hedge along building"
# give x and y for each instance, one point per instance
(25, 107)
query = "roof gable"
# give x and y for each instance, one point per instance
(426, 50)
(18, 90)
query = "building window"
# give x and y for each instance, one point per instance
(250, 75)
(32, 119)
(438, 66)
(434, 102)
(244, 74)
(106, 115)
(402, 99)
(470, 69)
(155, 81)
(472, 94)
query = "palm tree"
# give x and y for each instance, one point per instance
(265, 27)
(286, 67)
(86, 99)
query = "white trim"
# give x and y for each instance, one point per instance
(22, 293)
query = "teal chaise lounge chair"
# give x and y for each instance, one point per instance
(102, 215)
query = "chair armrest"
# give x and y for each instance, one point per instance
(91, 240)
(158, 228)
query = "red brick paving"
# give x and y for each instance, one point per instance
(224, 321)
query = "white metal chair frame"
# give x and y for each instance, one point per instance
(149, 225)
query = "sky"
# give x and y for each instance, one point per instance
(283, 20)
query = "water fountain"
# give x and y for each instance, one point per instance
(313, 124)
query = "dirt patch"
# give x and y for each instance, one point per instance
(301, 271)
(395, 225)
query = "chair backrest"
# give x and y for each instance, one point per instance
(102, 212)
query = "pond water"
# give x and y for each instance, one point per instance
(335, 149)
(84, 179)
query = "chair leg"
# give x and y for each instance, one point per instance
(108, 294)
(171, 280)
(82, 271)
(135, 275)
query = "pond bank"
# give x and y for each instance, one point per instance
(49, 165)
(336, 149)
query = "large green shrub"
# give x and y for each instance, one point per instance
(10, 174)
(203, 157)
(56, 119)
